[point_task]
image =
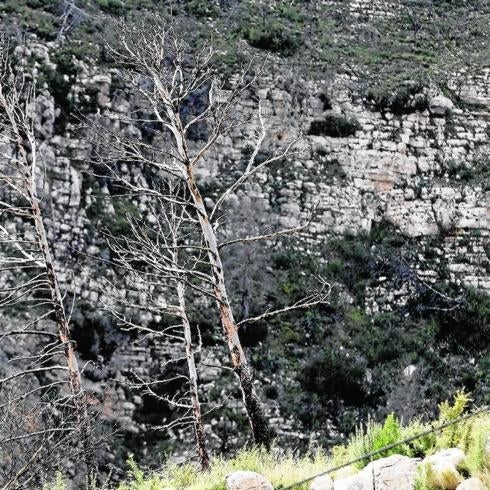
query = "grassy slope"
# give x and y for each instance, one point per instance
(284, 469)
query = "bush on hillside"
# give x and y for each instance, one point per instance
(334, 125)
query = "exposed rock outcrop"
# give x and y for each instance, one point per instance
(419, 171)
(323, 482)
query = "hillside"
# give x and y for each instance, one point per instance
(392, 100)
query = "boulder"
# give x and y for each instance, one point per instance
(393, 473)
(444, 464)
(453, 456)
(471, 484)
(441, 105)
(247, 480)
(360, 481)
(323, 482)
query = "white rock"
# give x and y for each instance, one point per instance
(453, 456)
(471, 484)
(440, 105)
(323, 482)
(409, 371)
(393, 473)
(247, 480)
(360, 481)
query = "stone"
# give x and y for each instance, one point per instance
(392, 473)
(354, 482)
(452, 456)
(395, 472)
(323, 482)
(444, 472)
(247, 480)
(409, 371)
(471, 484)
(441, 105)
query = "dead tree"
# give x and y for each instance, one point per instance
(165, 73)
(158, 266)
(29, 274)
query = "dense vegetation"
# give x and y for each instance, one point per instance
(435, 330)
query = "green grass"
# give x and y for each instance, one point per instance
(278, 467)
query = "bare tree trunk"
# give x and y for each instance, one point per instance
(79, 395)
(170, 274)
(27, 168)
(199, 431)
(258, 422)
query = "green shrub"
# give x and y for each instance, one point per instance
(468, 325)
(478, 459)
(58, 484)
(359, 444)
(399, 99)
(273, 36)
(202, 8)
(31, 17)
(114, 7)
(336, 373)
(452, 436)
(424, 477)
(334, 125)
(388, 434)
(289, 11)
(118, 223)
(375, 437)
(420, 447)
(470, 436)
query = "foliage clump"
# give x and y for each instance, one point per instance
(336, 126)
(272, 37)
(404, 98)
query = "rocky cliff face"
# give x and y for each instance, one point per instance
(415, 165)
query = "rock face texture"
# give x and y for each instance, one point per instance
(324, 482)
